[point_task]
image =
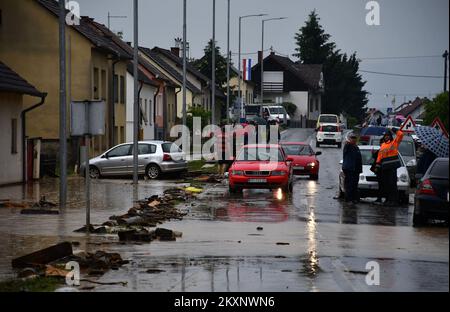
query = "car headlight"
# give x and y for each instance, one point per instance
(411, 163)
(404, 178)
(237, 172)
(311, 165)
(278, 173)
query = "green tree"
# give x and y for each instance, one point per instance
(313, 46)
(438, 107)
(344, 91)
(204, 65)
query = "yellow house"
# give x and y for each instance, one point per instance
(96, 69)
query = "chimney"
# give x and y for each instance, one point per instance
(175, 51)
(260, 57)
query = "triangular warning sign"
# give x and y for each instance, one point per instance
(409, 125)
(437, 124)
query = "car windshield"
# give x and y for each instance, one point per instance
(439, 170)
(367, 158)
(254, 110)
(330, 119)
(260, 154)
(277, 110)
(297, 150)
(170, 148)
(406, 148)
(329, 129)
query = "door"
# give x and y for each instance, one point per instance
(118, 161)
(147, 153)
(30, 160)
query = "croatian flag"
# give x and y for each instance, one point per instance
(247, 65)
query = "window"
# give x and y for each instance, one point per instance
(96, 84)
(122, 134)
(121, 151)
(317, 104)
(14, 136)
(311, 105)
(439, 169)
(150, 108)
(145, 109)
(145, 149)
(104, 85)
(116, 89)
(122, 89)
(170, 148)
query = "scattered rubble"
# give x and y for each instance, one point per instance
(44, 256)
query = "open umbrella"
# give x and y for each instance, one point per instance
(434, 140)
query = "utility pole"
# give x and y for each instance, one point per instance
(445, 56)
(213, 69)
(184, 63)
(228, 64)
(136, 96)
(63, 107)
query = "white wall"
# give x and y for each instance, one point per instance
(147, 93)
(300, 99)
(10, 164)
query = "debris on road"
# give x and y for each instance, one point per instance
(144, 235)
(259, 228)
(282, 244)
(44, 256)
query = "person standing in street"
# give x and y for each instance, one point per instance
(352, 167)
(388, 162)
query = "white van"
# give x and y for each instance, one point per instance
(276, 112)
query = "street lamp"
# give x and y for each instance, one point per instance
(239, 69)
(262, 53)
(228, 63)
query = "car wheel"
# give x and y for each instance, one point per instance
(419, 220)
(314, 177)
(94, 173)
(153, 172)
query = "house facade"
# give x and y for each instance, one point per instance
(287, 81)
(13, 154)
(415, 109)
(96, 70)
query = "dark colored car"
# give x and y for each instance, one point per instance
(432, 195)
(367, 133)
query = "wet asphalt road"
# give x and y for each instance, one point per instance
(309, 241)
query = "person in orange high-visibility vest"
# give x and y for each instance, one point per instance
(388, 162)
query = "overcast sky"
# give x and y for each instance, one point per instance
(408, 28)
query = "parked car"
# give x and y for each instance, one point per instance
(407, 149)
(432, 194)
(305, 160)
(261, 166)
(276, 112)
(368, 132)
(258, 120)
(155, 159)
(368, 183)
(329, 134)
(327, 119)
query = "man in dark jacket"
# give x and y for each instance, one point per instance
(352, 167)
(425, 161)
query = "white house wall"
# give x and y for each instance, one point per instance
(147, 93)
(10, 164)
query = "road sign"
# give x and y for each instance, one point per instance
(409, 125)
(437, 124)
(87, 117)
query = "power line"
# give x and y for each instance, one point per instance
(400, 57)
(400, 75)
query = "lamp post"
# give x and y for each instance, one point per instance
(239, 57)
(136, 94)
(262, 53)
(184, 63)
(213, 69)
(228, 64)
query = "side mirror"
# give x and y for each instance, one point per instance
(105, 156)
(318, 153)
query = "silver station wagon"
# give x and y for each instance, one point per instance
(155, 159)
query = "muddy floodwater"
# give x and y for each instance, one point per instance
(257, 241)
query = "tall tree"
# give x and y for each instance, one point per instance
(344, 87)
(204, 65)
(313, 46)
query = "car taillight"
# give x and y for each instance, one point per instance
(426, 188)
(167, 157)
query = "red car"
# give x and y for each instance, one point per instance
(261, 166)
(304, 159)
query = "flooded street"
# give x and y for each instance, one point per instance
(256, 241)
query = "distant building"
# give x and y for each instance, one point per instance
(287, 81)
(13, 154)
(415, 109)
